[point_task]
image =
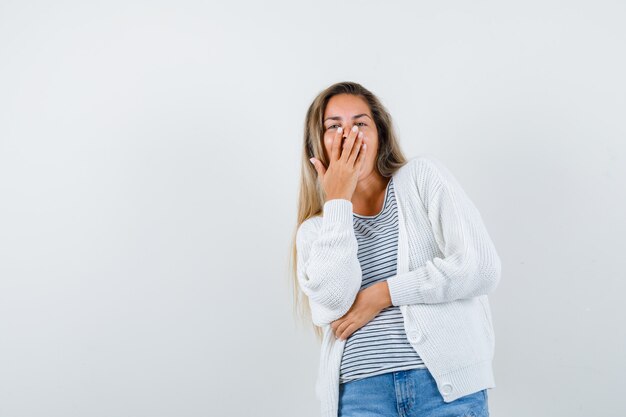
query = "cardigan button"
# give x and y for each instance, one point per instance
(415, 336)
(446, 389)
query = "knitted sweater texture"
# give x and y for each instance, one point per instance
(446, 266)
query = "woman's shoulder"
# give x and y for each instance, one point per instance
(425, 170)
(425, 161)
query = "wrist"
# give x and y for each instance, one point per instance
(384, 296)
(337, 196)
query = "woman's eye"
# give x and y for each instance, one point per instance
(358, 123)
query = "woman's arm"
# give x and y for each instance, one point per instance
(329, 271)
(470, 265)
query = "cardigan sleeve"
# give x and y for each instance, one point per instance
(469, 265)
(328, 269)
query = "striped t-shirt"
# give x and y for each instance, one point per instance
(381, 345)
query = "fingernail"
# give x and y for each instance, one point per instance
(312, 161)
(354, 128)
(340, 129)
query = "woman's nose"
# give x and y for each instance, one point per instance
(346, 131)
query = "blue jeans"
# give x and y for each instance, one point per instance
(408, 393)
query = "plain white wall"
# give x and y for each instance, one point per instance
(149, 157)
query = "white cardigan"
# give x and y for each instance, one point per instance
(447, 264)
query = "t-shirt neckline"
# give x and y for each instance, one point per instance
(361, 216)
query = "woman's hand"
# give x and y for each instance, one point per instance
(368, 303)
(341, 177)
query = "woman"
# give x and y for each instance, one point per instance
(396, 264)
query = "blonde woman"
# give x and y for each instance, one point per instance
(393, 263)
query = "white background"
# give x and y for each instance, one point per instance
(149, 162)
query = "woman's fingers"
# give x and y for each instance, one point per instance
(319, 167)
(335, 147)
(343, 173)
(357, 148)
(361, 158)
(348, 145)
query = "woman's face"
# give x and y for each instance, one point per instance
(346, 110)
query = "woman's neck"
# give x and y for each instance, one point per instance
(369, 195)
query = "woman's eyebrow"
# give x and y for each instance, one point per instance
(353, 117)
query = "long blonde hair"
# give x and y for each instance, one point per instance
(311, 196)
